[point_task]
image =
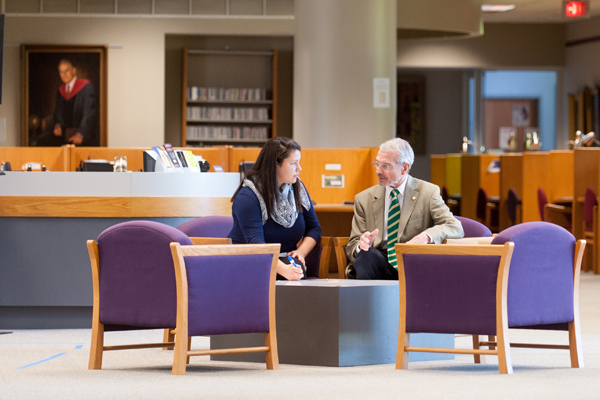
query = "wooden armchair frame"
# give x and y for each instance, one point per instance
(340, 255)
(169, 334)
(182, 340)
(502, 349)
(182, 352)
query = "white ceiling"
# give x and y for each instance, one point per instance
(535, 11)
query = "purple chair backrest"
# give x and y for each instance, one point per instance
(542, 201)
(228, 293)
(436, 289)
(137, 276)
(482, 200)
(473, 228)
(540, 279)
(512, 202)
(214, 226)
(588, 206)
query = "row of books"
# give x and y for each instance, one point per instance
(226, 132)
(195, 93)
(171, 158)
(228, 113)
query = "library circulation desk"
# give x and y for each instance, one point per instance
(47, 217)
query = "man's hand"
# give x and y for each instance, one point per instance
(76, 138)
(57, 130)
(289, 272)
(421, 238)
(367, 239)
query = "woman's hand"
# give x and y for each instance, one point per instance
(296, 254)
(289, 272)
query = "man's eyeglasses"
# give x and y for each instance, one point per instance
(383, 166)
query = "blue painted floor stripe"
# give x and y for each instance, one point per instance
(39, 362)
(79, 347)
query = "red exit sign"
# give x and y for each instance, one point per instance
(576, 9)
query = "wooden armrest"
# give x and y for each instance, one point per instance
(470, 240)
(555, 208)
(206, 240)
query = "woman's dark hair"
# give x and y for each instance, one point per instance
(264, 171)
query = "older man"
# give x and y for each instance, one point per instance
(75, 113)
(401, 209)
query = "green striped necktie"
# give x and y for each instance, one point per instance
(392, 228)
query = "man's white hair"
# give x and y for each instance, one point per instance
(404, 153)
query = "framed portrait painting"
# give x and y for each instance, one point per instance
(410, 115)
(63, 92)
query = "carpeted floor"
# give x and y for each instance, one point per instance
(52, 364)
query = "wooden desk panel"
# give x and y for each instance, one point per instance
(134, 156)
(511, 177)
(453, 176)
(113, 207)
(586, 162)
(437, 167)
(561, 170)
(355, 165)
(239, 154)
(536, 167)
(474, 175)
(54, 158)
(218, 155)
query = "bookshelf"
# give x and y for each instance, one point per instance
(229, 97)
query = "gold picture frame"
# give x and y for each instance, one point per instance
(43, 109)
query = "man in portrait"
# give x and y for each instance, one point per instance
(75, 111)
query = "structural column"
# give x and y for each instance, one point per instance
(340, 47)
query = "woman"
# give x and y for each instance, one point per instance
(272, 206)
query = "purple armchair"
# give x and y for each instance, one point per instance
(214, 226)
(137, 285)
(473, 228)
(468, 289)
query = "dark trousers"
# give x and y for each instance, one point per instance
(373, 264)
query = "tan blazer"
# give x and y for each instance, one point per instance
(422, 210)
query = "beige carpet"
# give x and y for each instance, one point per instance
(52, 364)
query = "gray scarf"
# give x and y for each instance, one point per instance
(284, 209)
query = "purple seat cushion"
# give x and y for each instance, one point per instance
(215, 226)
(451, 294)
(540, 281)
(228, 294)
(474, 228)
(137, 277)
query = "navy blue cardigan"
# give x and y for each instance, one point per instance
(248, 227)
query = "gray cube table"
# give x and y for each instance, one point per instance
(337, 323)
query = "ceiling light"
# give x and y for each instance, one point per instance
(496, 8)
